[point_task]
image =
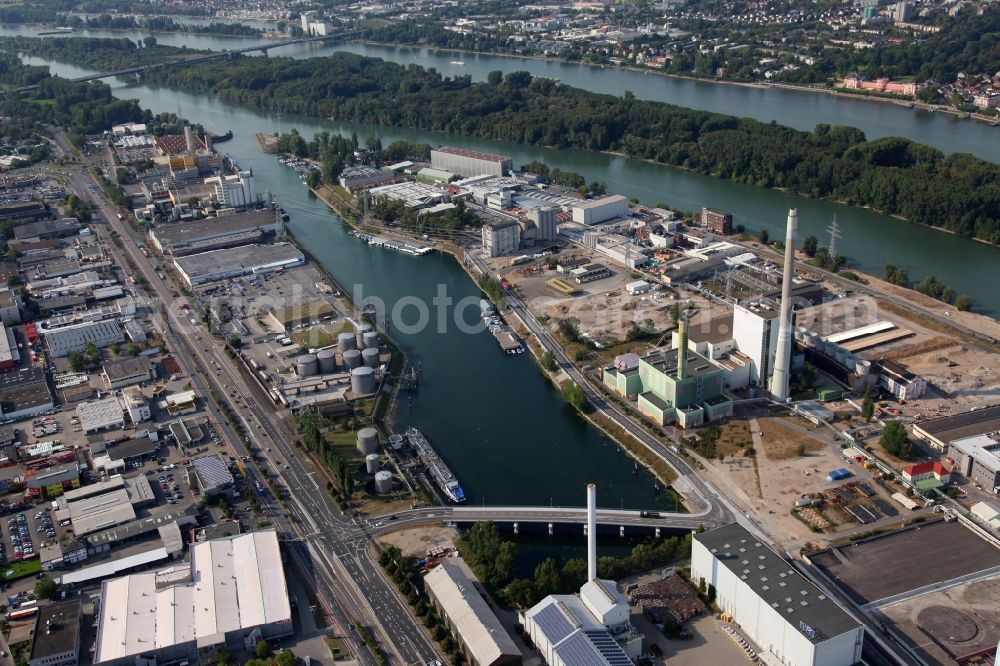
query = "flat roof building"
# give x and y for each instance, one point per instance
(57, 637)
(210, 474)
(47, 229)
(466, 163)
(25, 393)
(214, 232)
(600, 210)
(482, 637)
(126, 371)
(940, 432)
(300, 313)
(232, 593)
(501, 237)
(63, 341)
(103, 414)
(206, 267)
(778, 609)
(977, 458)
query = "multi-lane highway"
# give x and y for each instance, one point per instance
(331, 549)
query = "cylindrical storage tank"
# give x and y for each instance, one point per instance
(359, 334)
(372, 464)
(367, 441)
(842, 356)
(363, 380)
(307, 365)
(327, 361)
(346, 341)
(370, 339)
(383, 482)
(370, 357)
(352, 359)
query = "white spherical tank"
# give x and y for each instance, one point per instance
(327, 361)
(370, 357)
(352, 359)
(367, 441)
(383, 482)
(359, 334)
(346, 341)
(307, 365)
(372, 463)
(363, 380)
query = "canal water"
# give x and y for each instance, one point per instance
(506, 432)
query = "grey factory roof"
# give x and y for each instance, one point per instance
(212, 473)
(666, 362)
(186, 232)
(100, 414)
(75, 338)
(469, 613)
(966, 424)
(246, 257)
(53, 475)
(775, 582)
(60, 630)
(100, 512)
(24, 389)
(43, 228)
(474, 154)
(132, 448)
(142, 526)
(125, 367)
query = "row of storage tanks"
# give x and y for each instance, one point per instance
(368, 446)
(849, 360)
(361, 363)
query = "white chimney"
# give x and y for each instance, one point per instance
(591, 531)
(783, 355)
(189, 139)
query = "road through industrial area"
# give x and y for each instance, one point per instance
(330, 549)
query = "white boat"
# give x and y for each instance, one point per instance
(458, 62)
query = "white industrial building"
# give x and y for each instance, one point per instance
(589, 629)
(75, 338)
(235, 190)
(755, 332)
(600, 210)
(233, 594)
(468, 163)
(771, 604)
(216, 265)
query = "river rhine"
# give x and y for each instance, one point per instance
(511, 439)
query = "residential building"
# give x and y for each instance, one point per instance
(927, 475)
(500, 238)
(232, 594)
(57, 636)
(680, 386)
(126, 371)
(477, 630)
(879, 85)
(467, 163)
(717, 221)
(977, 458)
(134, 405)
(899, 381)
(773, 605)
(600, 210)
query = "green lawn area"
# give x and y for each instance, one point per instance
(320, 335)
(16, 570)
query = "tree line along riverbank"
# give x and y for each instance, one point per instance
(957, 192)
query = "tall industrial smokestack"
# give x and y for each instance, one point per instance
(189, 139)
(783, 355)
(591, 531)
(682, 349)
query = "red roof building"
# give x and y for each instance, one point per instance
(927, 475)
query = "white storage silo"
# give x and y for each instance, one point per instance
(327, 361)
(359, 334)
(352, 359)
(370, 357)
(346, 341)
(372, 463)
(383, 482)
(370, 339)
(367, 441)
(307, 365)
(363, 380)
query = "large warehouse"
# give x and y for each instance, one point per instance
(233, 593)
(215, 232)
(468, 163)
(773, 605)
(245, 260)
(940, 432)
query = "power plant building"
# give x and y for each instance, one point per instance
(467, 163)
(680, 386)
(755, 333)
(772, 604)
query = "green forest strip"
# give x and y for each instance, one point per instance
(957, 192)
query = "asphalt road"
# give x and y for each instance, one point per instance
(331, 549)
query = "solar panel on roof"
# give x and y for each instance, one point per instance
(609, 648)
(553, 623)
(579, 651)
